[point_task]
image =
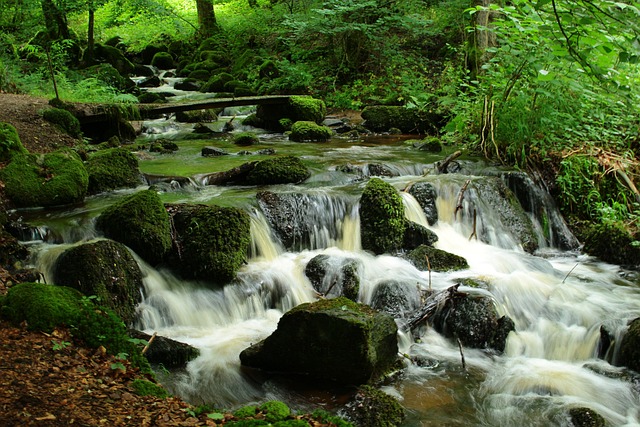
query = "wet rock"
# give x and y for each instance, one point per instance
(474, 320)
(197, 116)
(416, 235)
(299, 108)
(382, 222)
(190, 85)
(163, 146)
(278, 170)
(141, 222)
(211, 242)
(332, 339)
(334, 276)
(151, 81)
(105, 269)
(165, 351)
(630, 347)
(399, 299)
(371, 407)
(586, 417)
(430, 144)
(427, 258)
(382, 118)
(112, 169)
(426, 195)
(379, 169)
(213, 152)
(200, 128)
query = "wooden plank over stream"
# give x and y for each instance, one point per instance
(153, 110)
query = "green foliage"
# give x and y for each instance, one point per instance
(275, 411)
(278, 170)
(10, 143)
(304, 131)
(381, 217)
(147, 388)
(326, 417)
(64, 119)
(51, 179)
(59, 345)
(111, 169)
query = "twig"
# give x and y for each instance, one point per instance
(474, 226)
(442, 167)
(464, 364)
(460, 198)
(574, 267)
(146, 347)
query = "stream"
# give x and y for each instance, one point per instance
(557, 297)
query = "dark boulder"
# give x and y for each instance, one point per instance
(105, 269)
(399, 299)
(416, 235)
(332, 339)
(278, 170)
(165, 351)
(426, 258)
(425, 194)
(213, 152)
(586, 417)
(334, 276)
(382, 118)
(630, 347)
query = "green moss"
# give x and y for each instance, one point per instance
(141, 222)
(374, 408)
(291, 423)
(147, 388)
(438, 260)
(246, 412)
(247, 423)
(268, 69)
(51, 179)
(278, 170)
(611, 242)
(381, 118)
(44, 307)
(106, 73)
(381, 217)
(216, 83)
(111, 169)
(10, 143)
(213, 241)
(328, 418)
(246, 138)
(200, 74)
(275, 411)
(286, 123)
(306, 131)
(306, 108)
(64, 119)
(163, 61)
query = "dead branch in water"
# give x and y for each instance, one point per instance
(442, 167)
(146, 347)
(461, 198)
(464, 364)
(474, 226)
(433, 303)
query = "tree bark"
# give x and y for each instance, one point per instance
(55, 20)
(206, 18)
(89, 55)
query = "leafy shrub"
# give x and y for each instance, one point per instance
(64, 119)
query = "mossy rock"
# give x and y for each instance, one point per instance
(106, 73)
(439, 260)
(216, 83)
(10, 143)
(213, 241)
(115, 57)
(246, 138)
(630, 347)
(249, 411)
(298, 109)
(197, 116)
(275, 411)
(586, 417)
(141, 222)
(63, 119)
(151, 98)
(335, 276)
(143, 387)
(431, 144)
(331, 339)
(105, 269)
(57, 178)
(199, 74)
(382, 118)
(44, 307)
(374, 408)
(163, 61)
(382, 222)
(612, 242)
(112, 169)
(279, 170)
(305, 131)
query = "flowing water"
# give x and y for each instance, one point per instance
(558, 299)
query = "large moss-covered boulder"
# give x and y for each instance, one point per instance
(163, 61)
(299, 108)
(382, 222)
(115, 57)
(278, 170)
(334, 339)
(335, 276)
(427, 258)
(106, 73)
(105, 269)
(10, 143)
(372, 407)
(141, 222)
(473, 319)
(630, 347)
(426, 195)
(111, 169)
(306, 131)
(382, 118)
(612, 242)
(57, 178)
(211, 241)
(64, 120)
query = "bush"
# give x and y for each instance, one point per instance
(64, 119)
(10, 143)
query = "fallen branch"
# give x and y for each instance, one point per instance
(146, 347)
(442, 167)
(464, 364)
(461, 198)
(433, 303)
(474, 226)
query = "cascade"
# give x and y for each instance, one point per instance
(558, 299)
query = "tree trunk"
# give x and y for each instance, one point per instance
(206, 18)
(481, 39)
(55, 21)
(88, 56)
